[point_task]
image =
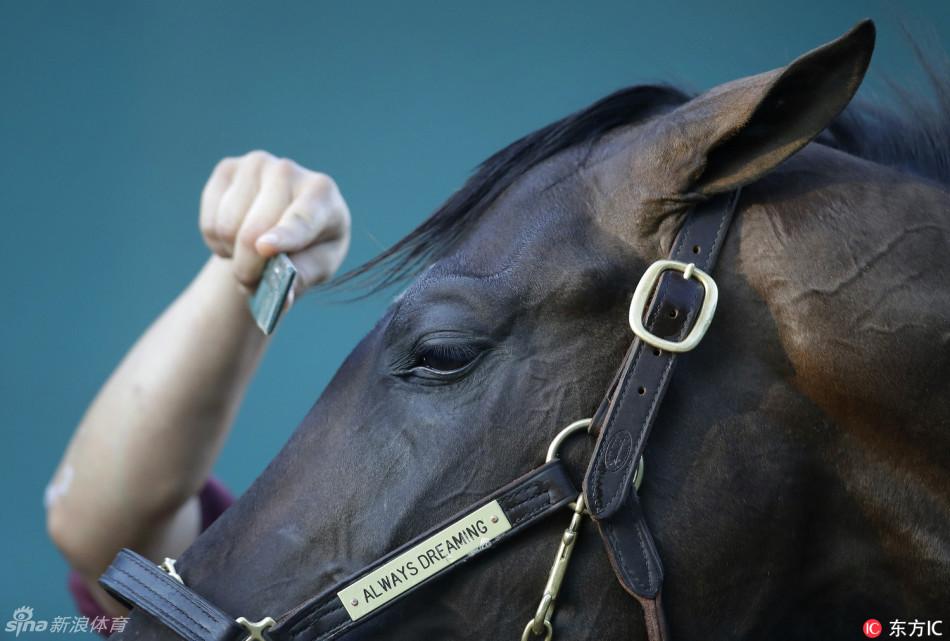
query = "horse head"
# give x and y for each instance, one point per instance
(517, 321)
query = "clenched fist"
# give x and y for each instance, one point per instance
(258, 205)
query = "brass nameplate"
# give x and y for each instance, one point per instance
(466, 536)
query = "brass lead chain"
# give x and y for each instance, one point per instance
(540, 624)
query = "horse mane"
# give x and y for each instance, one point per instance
(439, 233)
(914, 138)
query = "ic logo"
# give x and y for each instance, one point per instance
(872, 628)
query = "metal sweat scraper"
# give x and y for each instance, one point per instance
(267, 303)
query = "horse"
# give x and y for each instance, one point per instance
(797, 480)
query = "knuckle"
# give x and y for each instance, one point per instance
(338, 221)
(221, 171)
(298, 218)
(248, 237)
(208, 230)
(257, 157)
(346, 221)
(283, 167)
(225, 232)
(318, 185)
(224, 165)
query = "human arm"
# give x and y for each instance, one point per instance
(145, 446)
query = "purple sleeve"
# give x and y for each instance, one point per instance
(213, 498)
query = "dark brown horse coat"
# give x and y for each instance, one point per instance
(798, 477)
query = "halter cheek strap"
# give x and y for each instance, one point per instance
(684, 298)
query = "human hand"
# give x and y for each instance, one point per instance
(257, 205)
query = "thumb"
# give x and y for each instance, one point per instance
(301, 226)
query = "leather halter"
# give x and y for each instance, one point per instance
(682, 304)
(627, 413)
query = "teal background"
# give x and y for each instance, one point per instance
(112, 115)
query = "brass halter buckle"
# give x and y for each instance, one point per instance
(641, 298)
(540, 624)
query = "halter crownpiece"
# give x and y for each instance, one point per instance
(671, 321)
(675, 320)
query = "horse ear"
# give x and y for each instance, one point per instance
(745, 128)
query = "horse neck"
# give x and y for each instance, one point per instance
(847, 257)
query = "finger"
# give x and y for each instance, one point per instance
(289, 301)
(272, 200)
(238, 198)
(315, 216)
(211, 196)
(318, 263)
(300, 227)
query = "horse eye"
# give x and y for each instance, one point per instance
(445, 357)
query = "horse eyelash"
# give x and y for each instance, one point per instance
(460, 351)
(410, 359)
